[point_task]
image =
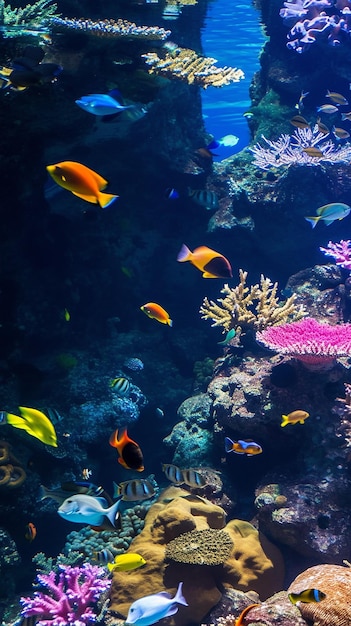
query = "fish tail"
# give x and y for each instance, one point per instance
(116, 490)
(293, 597)
(112, 513)
(43, 493)
(170, 322)
(228, 443)
(184, 254)
(179, 598)
(312, 220)
(285, 421)
(16, 421)
(105, 199)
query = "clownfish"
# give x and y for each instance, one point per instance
(156, 312)
(130, 454)
(212, 264)
(82, 182)
(248, 447)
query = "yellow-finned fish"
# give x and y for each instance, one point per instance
(308, 595)
(156, 312)
(126, 562)
(295, 417)
(34, 422)
(82, 182)
(329, 213)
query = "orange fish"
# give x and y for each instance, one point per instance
(239, 621)
(156, 312)
(82, 182)
(130, 454)
(249, 447)
(31, 532)
(212, 264)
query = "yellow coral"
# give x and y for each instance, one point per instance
(253, 307)
(185, 64)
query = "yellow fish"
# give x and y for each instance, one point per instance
(125, 562)
(34, 422)
(308, 595)
(295, 417)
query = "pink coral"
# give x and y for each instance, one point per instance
(316, 345)
(69, 596)
(340, 251)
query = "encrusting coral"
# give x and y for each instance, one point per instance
(200, 547)
(254, 307)
(185, 64)
(253, 563)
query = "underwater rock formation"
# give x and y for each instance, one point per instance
(253, 564)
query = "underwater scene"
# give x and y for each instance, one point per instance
(175, 319)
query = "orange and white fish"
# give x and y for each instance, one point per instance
(82, 182)
(248, 447)
(295, 417)
(156, 312)
(212, 264)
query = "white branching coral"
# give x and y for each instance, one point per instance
(295, 149)
(253, 307)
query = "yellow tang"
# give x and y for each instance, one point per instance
(34, 422)
(125, 562)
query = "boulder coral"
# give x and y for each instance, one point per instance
(253, 563)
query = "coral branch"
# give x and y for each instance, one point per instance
(340, 251)
(110, 28)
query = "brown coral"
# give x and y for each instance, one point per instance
(334, 581)
(185, 64)
(12, 475)
(200, 547)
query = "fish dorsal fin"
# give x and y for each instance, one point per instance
(164, 594)
(101, 501)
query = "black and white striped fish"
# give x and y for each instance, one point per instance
(134, 490)
(121, 386)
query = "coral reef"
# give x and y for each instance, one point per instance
(110, 28)
(254, 307)
(70, 596)
(200, 547)
(305, 146)
(186, 65)
(16, 22)
(12, 475)
(316, 345)
(334, 581)
(340, 251)
(253, 564)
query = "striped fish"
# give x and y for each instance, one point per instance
(121, 386)
(104, 556)
(133, 490)
(173, 473)
(192, 478)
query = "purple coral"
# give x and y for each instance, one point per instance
(340, 251)
(316, 345)
(316, 19)
(69, 596)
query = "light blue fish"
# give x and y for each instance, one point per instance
(101, 104)
(228, 141)
(83, 509)
(329, 213)
(150, 609)
(229, 336)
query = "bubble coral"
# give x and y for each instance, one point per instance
(316, 345)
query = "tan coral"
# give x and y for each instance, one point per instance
(185, 64)
(254, 563)
(12, 475)
(335, 582)
(253, 307)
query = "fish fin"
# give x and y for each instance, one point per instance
(172, 611)
(114, 441)
(179, 598)
(164, 594)
(123, 463)
(301, 421)
(91, 199)
(16, 421)
(285, 421)
(116, 489)
(170, 322)
(105, 199)
(312, 220)
(328, 222)
(228, 443)
(112, 513)
(184, 254)
(208, 275)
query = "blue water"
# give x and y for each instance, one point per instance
(233, 36)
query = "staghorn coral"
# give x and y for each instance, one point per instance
(200, 547)
(316, 345)
(110, 28)
(253, 307)
(334, 581)
(69, 598)
(15, 22)
(185, 64)
(289, 150)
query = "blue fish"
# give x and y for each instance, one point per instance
(151, 609)
(102, 104)
(229, 336)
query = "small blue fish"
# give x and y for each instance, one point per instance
(229, 336)
(150, 609)
(101, 104)
(171, 194)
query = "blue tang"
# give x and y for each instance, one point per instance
(150, 609)
(83, 509)
(102, 104)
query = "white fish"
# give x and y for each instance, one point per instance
(229, 141)
(150, 609)
(83, 509)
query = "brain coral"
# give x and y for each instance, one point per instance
(253, 564)
(201, 547)
(335, 582)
